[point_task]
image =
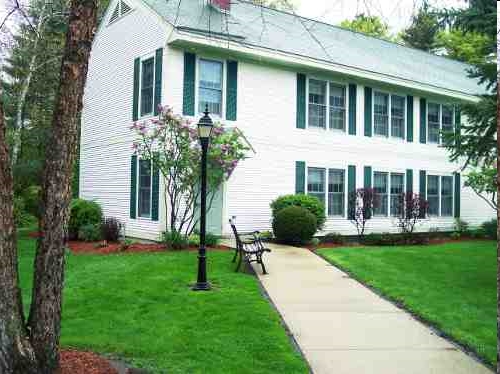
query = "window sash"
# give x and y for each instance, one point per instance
(336, 192)
(326, 105)
(440, 119)
(398, 116)
(380, 186)
(433, 195)
(380, 113)
(446, 196)
(337, 98)
(145, 187)
(397, 189)
(147, 86)
(317, 103)
(316, 183)
(210, 86)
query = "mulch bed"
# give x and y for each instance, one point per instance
(76, 362)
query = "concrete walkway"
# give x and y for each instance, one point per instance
(344, 328)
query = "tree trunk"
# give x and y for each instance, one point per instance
(45, 313)
(498, 235)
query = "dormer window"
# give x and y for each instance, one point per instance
(120, 10)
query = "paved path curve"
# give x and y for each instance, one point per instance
(344, 328)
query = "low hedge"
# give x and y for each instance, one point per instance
(294, 225)
(311, 203)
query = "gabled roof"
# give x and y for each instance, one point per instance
(262, 27)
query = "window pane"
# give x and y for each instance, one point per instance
(147, 80)
(144, 188)
(446, 196)
(381, 114)
(433, 195)
(316, 183)
(433, 122)
(337, 107)
(210, 86)
(397, 189)
(447, 118)
(398, 116)
(335, 192)
(380, 187)
(317, 103)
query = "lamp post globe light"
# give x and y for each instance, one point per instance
(205, 126)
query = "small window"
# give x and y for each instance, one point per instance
(433, 195)
(447, 119)
(147, 86)
(397, 189)
(398, 116)
(317, 103)
(433, 122)
(121, 9)
(336, 192)
(316, 183)
(210, 86)
(381, 114)
(380, 187)
(144, 203)
(447, 196)
(337, 107)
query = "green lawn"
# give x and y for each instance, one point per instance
(452, 286)
(139, 307)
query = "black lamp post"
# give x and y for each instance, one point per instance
(204, 132)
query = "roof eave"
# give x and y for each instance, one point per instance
(183, 39)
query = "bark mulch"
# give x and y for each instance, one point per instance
(79, 362)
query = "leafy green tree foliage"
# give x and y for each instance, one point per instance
(464, 46)
(422, 32)
(484, 183)
(369, 25)
(287, 5)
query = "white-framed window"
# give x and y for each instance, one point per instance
(210, 86)
(433, 195)
(144, 186)
(440, 119)
(329, 186)
(316, 183)
(446, 196)
(336, 192)
(389, 115)
(147, 81)
(381, 188)
(326, 105)
(397, 189)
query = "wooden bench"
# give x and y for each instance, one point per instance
(249, 246)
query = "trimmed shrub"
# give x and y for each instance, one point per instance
(334, 238)
(490, 229)
(461, 227)
(311, 203)
(111, 229)
(89, 233)
(82, 213)
(211, 240)
(175, 240)
(294, 225)
(383, 239)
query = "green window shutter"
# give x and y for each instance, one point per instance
(368, 177)
(368, 111)
(458, 187)
(300, 177)
(423, 121)
(352, 109)
(409, 181)
(458, 126)
(232, 90)
(351, 188)
(189, 84)
(301, 101)
(133, 186)
(409, 118)
(155, 189)
(158, 72)
(423, 188)
(135, 100)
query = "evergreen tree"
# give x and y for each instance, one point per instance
(422, 32)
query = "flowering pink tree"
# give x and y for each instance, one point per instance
(171, 143)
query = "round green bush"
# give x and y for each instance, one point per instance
(32, 199)
(490, 229)
(83, 213)
(311, 203)
(294, 225)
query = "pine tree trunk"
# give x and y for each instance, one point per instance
(16, 355)
(45, 313)
(498, 235)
